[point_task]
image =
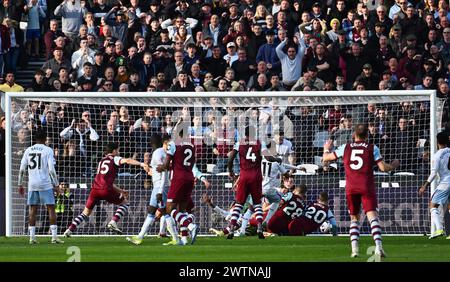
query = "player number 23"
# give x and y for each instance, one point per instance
(355, 158)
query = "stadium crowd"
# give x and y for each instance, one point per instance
(227, 45)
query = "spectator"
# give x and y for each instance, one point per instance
(291, 64)
(16, 39)
(224, 137)
(215, 64)
(82, 56)
(10, 85)
(56, 63)
(39, 82)
(267, 53)
(183, 84)
(72, 14)
(35, 13)
(10, 9)
(84, 135)
(50, 37)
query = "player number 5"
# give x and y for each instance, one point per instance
(355, 158)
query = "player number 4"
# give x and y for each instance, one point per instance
(355, 158)
(250, 155)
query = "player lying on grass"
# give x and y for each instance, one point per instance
(313, 217)
(42, 179)
(161, 184)
(181, 160)
(291, 206)
(439, 167)
(103, 188)
(359, 157)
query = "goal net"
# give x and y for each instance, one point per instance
(79, 125)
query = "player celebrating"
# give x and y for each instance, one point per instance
(313, 217)
(181, 160)
(160, 180)
(103, 188)
(250, 153)
(40, 163)
(440, 166)
(359, 157)
(291, 206)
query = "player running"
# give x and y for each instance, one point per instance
(291, 206)
(359, 157)
(161, 184)
(40, 163)
(181, 160)
(313, 217)
(103, 188)
(440, 166)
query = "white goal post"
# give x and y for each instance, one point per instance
(321, 115)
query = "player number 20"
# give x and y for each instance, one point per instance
(355, 158)
(318, 216)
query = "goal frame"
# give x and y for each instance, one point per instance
(9, 182)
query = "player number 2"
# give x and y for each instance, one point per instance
(188, 154)
(250, 155)
(103, 167)
(355, 158)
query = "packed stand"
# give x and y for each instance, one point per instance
(160, 46)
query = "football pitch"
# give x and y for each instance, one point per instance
(214, 249)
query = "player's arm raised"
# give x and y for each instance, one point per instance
(270, 154)
(135, 163)
(231, 157)
(328, 156)
(198, 174)
(382, 165)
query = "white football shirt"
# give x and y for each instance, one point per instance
(440, 166)
(40, 163)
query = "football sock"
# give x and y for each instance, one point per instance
(148, 221)
(376, 232)
(54, 230)
(32, 232)
(121, 211)
(162, 225)
(77, 221)
(171, 226)
(258, 213)
(245, 218)
(235, 214)
(354, 234)
(435, 218)
(272, 209)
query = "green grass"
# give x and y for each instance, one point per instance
(250, 249)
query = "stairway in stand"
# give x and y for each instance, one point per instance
(25, 76)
